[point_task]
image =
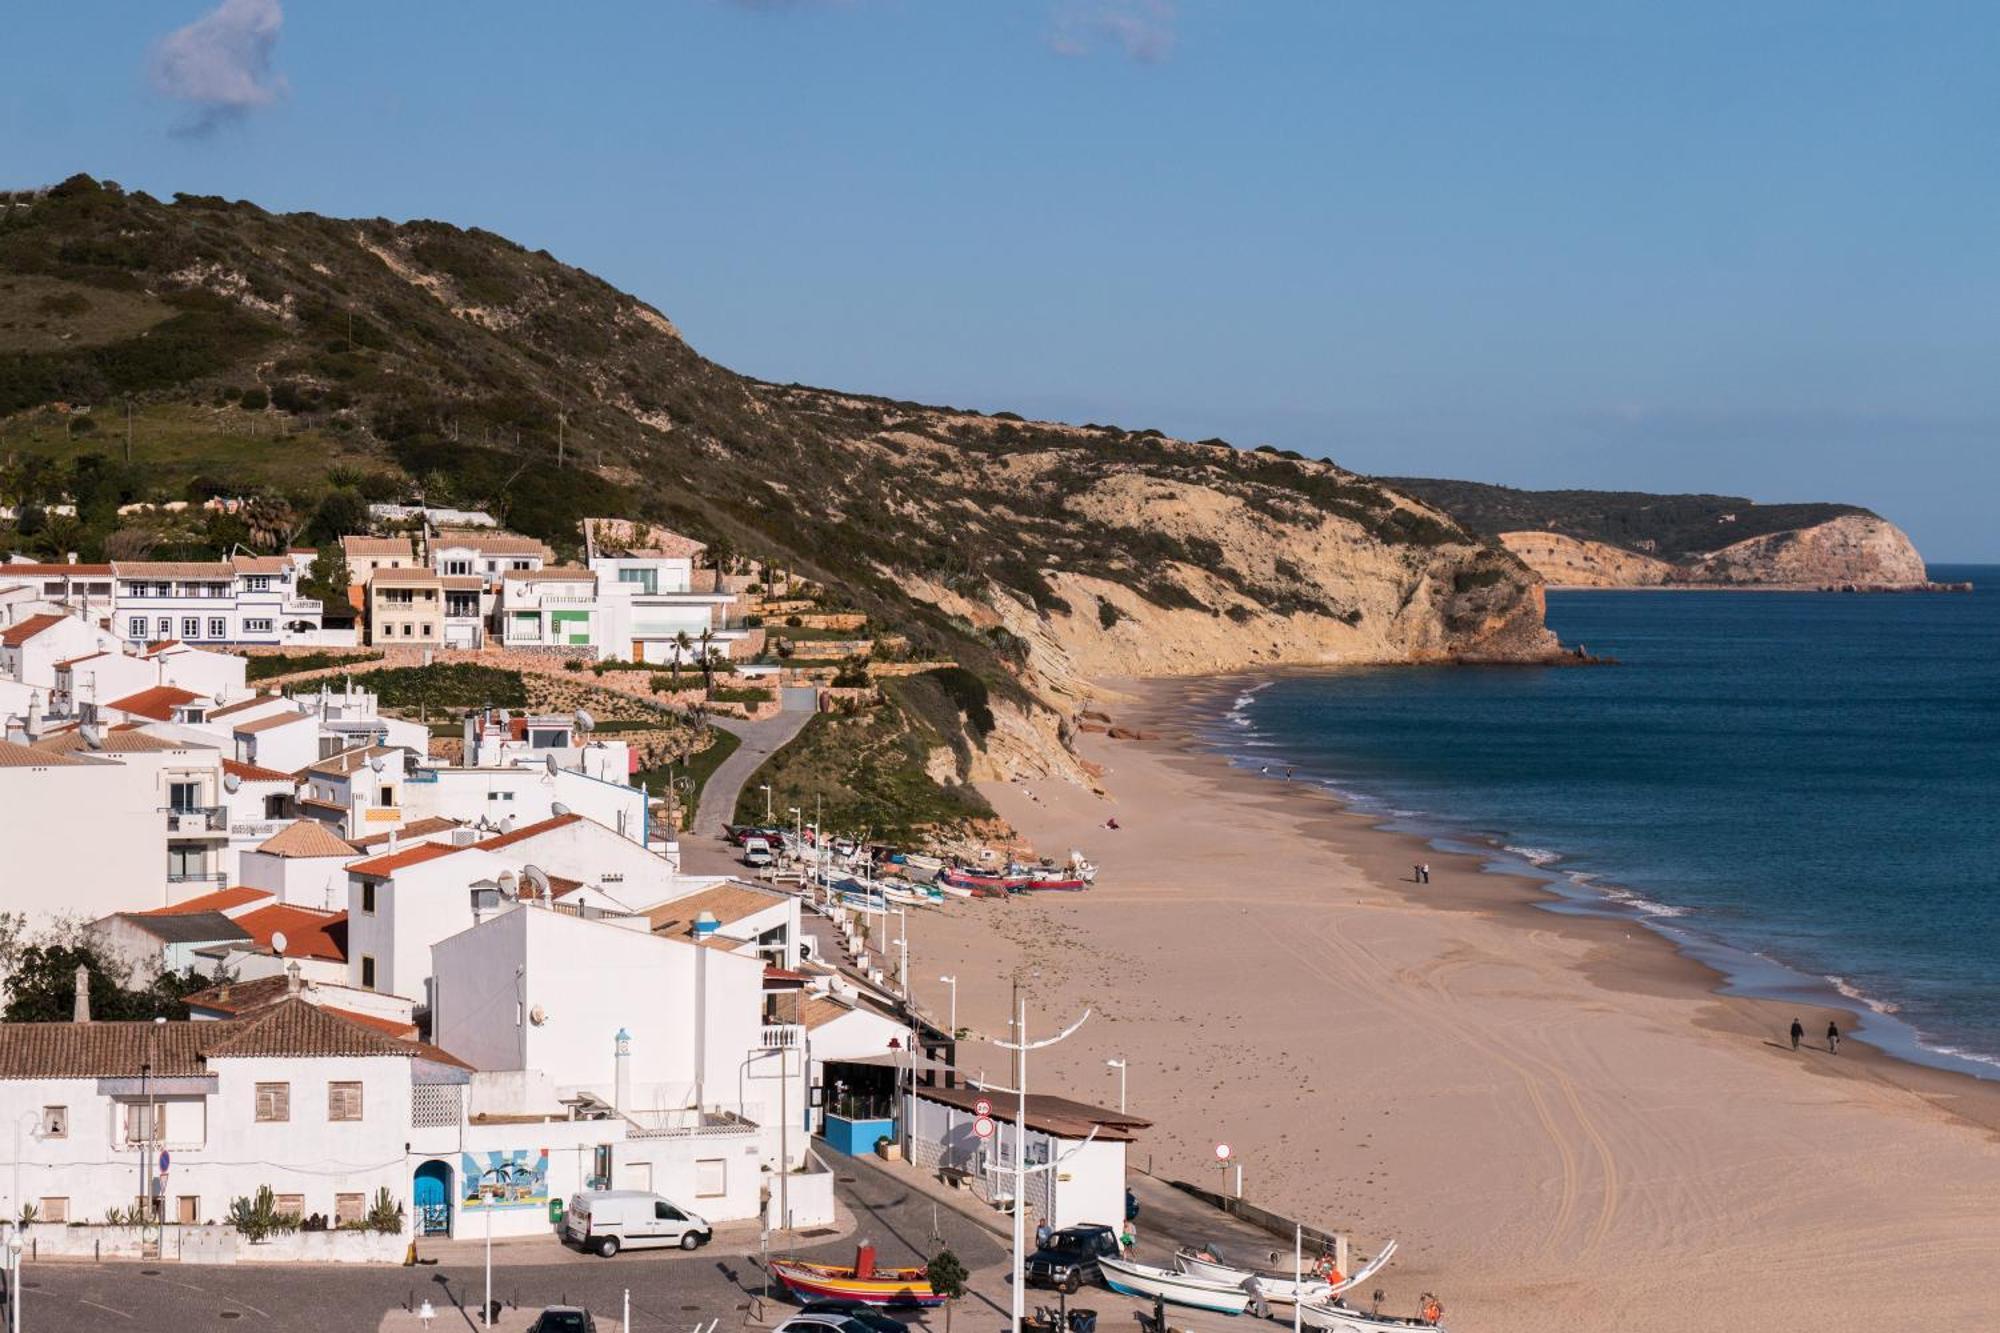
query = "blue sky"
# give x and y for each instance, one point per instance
(1732, 247)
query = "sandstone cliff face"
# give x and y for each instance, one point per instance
(1854, 550)
(1858, 549)
(1572, 562)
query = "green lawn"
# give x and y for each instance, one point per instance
(267, 665)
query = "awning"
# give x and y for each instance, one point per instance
(918, 1061)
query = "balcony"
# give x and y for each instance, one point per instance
(196, 821)
(303, 606)
(196, 876)
(782, 1036)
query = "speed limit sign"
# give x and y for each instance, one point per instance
(983, 1127)
(982, 1107)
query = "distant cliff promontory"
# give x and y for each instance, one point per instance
(1630, 539)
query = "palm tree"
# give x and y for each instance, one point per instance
(270, 521)
(707, 659)
(683, 645)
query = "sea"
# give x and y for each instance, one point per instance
(1800, 789)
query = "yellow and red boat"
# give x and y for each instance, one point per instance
(861, 1281)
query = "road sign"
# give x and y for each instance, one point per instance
(1222, 1152)
(166, 1160)
(983, 1127)
(982, 1107)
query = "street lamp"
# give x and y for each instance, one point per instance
(766, 788)
(953, 983)
(14, 1248)
(1119, 1065)
(1021, 1047)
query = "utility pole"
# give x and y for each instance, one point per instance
(128, 430)
(1018, 1274)
(562, 424)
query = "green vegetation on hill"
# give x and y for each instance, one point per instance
(692, 774)
(263, 666)
(448, 687)
(1670, 527)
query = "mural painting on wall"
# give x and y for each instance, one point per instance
(516, 1179)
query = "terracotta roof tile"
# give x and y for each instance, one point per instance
(527, 831)
(487, 541)
(308, 934)
(242, 704)
(157, 702)
(219, 901)
(17, 634)
(381, 867)
(729, 902)
(290, 1028)
(416, 828)
(296, 1028)
(16, 755)
(260, 564)
(306, 837)
(115, 740)
(243, 772)
(377, 546)
(558, 574)
(275, 720)
(173, 569)
(45, 570)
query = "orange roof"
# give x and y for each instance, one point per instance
(416, 828)
(252, 773)
(161, 645)
(16, 635)
(157, 702)
(29, 569)
(256, 725)
(306, 837)
(242, 704)
(219, 901)
(381, 867)
(525, 832)
(308, 934)
(406, 1031)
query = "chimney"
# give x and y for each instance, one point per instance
(469, 754)
(34, 727)
(69, 557)
(82, 1011)
(292, 977)
(621, 1078)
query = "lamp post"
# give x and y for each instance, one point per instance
(953, 983)
(1119, 1065)
(14, 1248)
(1021, 1047)
(767, 801)
(486, 1310)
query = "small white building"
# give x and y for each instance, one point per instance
(1090, 1141)
(246, 600)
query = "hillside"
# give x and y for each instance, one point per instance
(327, 361)
(1635, 539)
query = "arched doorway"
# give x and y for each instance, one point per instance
(431, 1191)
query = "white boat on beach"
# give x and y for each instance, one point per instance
(1337, 1317)
(1132, 1279)
(1319, 1285)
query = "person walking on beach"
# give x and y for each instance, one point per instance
(1833, 1038)
(1424, 873)
(1798, 1033)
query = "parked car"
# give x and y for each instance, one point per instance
(756, 851)
(563, 1319)
(821, 1323)
(607, 1221)
(866, 1315)
(1070, 1258)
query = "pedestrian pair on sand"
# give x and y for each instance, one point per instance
(1832, 1036)
(1421, 873)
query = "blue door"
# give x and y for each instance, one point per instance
(432, 1192)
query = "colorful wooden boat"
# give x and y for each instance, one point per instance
(981, 883)
(860, 1281)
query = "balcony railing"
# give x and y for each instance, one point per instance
(187, 821)
(196, 877)
(782, 1036)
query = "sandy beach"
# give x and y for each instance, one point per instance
(1562, 1123)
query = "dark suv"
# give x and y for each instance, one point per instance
(1070, 1258)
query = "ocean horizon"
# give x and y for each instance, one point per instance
(1800, 789)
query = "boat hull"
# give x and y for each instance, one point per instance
(889, 1286)
(1174, 1288)
(1280, 1290)
(1340, 1319)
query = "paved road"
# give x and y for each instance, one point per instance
(671, 1291)
(760, 741)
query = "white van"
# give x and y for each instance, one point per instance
(608, 1221)
(756, 851)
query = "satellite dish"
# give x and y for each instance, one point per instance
(584, 721)
(91, 736)
(220, 698)
(538, 882)
(377, 763)
(549, 762)
(538, 1015)
(506, 881)
(558, 808)
(230, 782)
(278, 942)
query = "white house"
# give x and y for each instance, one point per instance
(243, 600)
(485, 554)
(31, 646)
(1088, 1188)
(549, 607)
(304, 864)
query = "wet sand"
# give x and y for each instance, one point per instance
(1559, 1118)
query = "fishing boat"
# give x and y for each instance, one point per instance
(860, 1281)
(1057, 881)
(1121, 1275)
(1336, 1316)
(981, 883)
(1321, 1282)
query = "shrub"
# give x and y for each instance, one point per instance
(385, 1214)
(258, 1217)
(254, 400)
(853, 674)
(1107, 614)
(795, 621)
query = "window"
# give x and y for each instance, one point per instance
(145, 1122)
(259, 582)
(367, 972)
(256, 627)
(427, 630)
(186, 863)
(666, 1212)
(274, 806)
(274, 1101)
(386, 796)
(648, 584)
(459, 567)
(343, 1101)
(406, 631)
(55, 1122)
(183, 796)
(521, 564)
(187, 1210)
(190, 627)
(290, 1205)
(139, 627)
(52, 1208)
(711, 1178)
(368, 898)
(499, 795)
(218, 628)
(166, 627)
(349, 1208)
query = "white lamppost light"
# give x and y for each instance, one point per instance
(1021, 1048)
(953, 983)
(1119, 1065)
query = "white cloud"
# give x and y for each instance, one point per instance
(221, 64)
(1142, 29)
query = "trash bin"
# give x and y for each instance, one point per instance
(555, 1212)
